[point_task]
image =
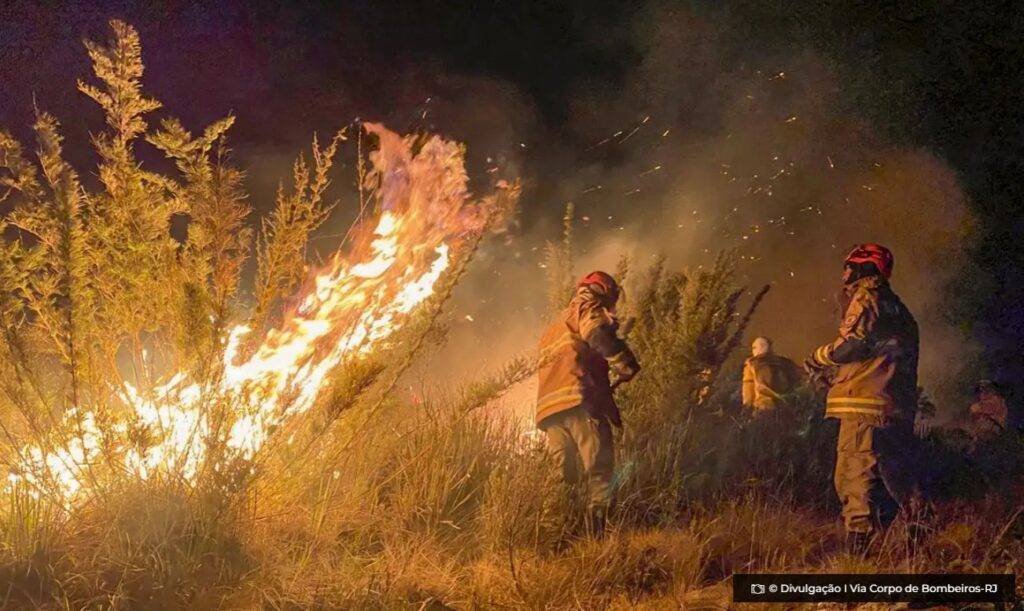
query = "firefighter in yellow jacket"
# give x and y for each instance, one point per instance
(871, 372)
(582, 359)
(767, 377)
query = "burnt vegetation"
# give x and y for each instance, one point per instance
(372, 500)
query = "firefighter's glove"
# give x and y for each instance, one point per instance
(813, 367)
(820, 376)
(623, 367)
(817, 372)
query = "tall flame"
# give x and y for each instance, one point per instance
(352, 306)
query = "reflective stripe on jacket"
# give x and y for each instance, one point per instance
(571, 372)
(875, 356)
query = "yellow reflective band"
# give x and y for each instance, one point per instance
(856, 401)
(574, 387)
(566, 402)
(558, 396)
(822, 356)
(553, 350)
(871, 411)
(566, 339)
(569, 399)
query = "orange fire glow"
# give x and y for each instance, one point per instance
(351, 307)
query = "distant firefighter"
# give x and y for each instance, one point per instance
(582, 359)
(872, 379)
(767, 377)
(988, 412)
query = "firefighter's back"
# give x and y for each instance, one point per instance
(559, 379)
(882, 385)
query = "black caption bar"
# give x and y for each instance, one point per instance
(860, 588)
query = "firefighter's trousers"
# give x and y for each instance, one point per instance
(875, 472)
(583, 448)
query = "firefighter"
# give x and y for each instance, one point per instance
(871, 374)
(582, 359)
(767, 377)
(988, 412)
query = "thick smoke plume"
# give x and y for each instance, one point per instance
(706, 147)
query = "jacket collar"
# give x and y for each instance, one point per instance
(867, 282)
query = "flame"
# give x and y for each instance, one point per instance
(352, 307)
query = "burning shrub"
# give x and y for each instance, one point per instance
(124, 365)
(99, 282)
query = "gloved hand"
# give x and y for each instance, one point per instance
(619, 378)
(820, 376)
(813, 367)
(623, 367)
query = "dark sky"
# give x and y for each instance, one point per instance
(541, 76)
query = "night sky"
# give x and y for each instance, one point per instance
(538, 84)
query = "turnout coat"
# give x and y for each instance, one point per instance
(874, 357)
(577, 351)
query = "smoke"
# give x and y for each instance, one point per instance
(707, 147)
(706, 142)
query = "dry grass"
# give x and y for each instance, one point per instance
(434, 507)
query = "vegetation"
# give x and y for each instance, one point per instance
(370, 501)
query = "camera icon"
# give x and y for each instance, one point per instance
(757, 588)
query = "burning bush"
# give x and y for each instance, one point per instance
(123, 356)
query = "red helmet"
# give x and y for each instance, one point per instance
(609, 287)
(872, 253)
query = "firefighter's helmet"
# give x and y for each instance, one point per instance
(604, 283)
(877, 254)
(985, 386)
(761, 346)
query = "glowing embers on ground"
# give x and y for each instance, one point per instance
(352, 306)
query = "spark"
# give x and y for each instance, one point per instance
(630, 134)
